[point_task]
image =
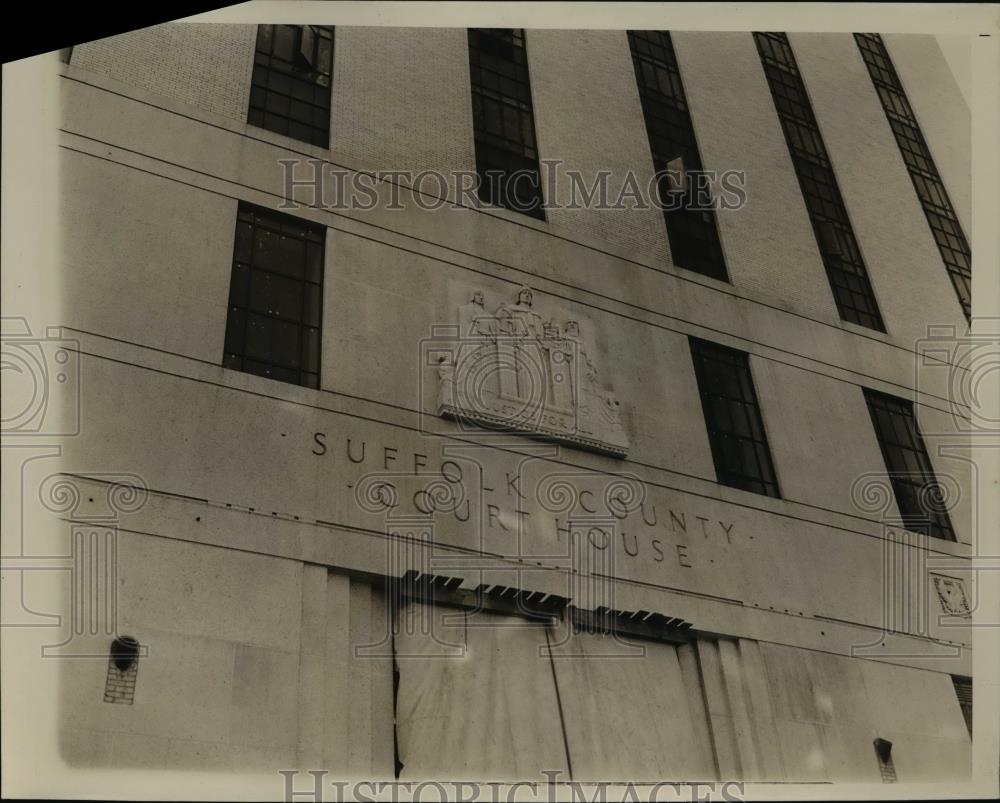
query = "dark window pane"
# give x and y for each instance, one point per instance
(284, 42)
(732, 417)
(235, 330)
(279, 83)
(258, 97)
(720, 411)
(314, 261)
(278, 104)
(278, 372)
(240, 284)
(279, 252)
(304, 132)
(291, 81)
(324, 56)
(276, 295)
(503, 120)
(302, 91)
(963, 690)
(274, 315)
(313, 300)
(310, 346)
(909, 466)
(302, 112)
(276, 123)
(272, 340)
(693, 235)
(742, 423)
(265, 38)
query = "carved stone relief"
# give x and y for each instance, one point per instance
(951, 595)
(514, 370)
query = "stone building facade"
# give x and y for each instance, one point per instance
(329, 573)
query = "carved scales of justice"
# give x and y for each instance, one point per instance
(511, 370)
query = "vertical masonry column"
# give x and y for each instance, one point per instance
(345, 678)
(312, 664)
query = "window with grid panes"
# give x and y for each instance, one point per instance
(838, 246)
(914, 485)
(276, 297)
(692, 231)
(292, 76)
(941, 217)
(503, 121)
(732, 417)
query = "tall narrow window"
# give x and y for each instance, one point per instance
(292, 75)
(838, 246)
(503, 121)
(275, 297)
(913, 482)
(963, 690)
(691, 226)
(927, 182)
(732, 417)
